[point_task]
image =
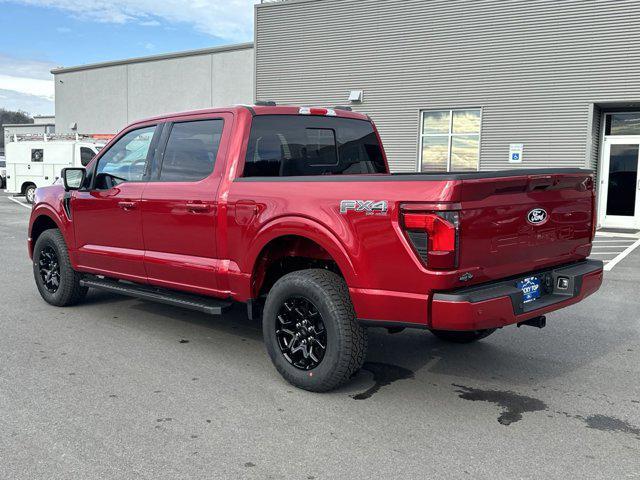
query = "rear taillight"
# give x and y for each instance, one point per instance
(434, 236)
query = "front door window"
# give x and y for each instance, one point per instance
(126, 160)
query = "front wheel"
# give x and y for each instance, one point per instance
(30, 194)
(311, 332)
(464, 336)
(56, 280)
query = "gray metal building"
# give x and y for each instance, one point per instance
(103, 98)
(458, 85)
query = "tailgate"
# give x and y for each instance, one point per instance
(517, 224)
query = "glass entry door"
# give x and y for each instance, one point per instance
(620, 183)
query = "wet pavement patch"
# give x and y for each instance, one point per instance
(383, 374)
(513, 405)
(610, 424)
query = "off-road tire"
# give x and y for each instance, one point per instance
(69, 291)
(346, 338)
(462, 337)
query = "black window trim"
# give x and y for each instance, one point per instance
(152, 146)
(162, 147)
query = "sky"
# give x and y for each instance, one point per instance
(38, 35)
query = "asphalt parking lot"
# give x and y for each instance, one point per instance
(119, 388)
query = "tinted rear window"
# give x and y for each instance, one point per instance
(296, 145)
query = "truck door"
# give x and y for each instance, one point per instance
(179, 210)
(107, 215)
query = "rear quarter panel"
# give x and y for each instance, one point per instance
(370, 249)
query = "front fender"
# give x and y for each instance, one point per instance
(49, 204)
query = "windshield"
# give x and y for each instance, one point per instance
(3, 164)
(298, 145)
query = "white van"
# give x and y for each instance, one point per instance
(38, 163)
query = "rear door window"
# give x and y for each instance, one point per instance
(191, 150)
(296, 145)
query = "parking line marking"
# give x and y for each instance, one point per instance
(627, 251)
(630, 240)
(621, 235)
(19, 203)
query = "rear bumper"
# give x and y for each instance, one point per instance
(501, 303)
(489, 305)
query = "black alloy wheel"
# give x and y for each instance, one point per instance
(300, 333)
(49, 267)
(55, 278)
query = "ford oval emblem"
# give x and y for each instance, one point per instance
(537, 216)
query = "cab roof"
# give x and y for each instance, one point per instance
(339, 112)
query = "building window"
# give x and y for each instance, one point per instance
(450, 140)
(622, 124)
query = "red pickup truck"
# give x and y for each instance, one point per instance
(294, 211)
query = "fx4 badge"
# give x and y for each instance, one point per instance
(369, 207)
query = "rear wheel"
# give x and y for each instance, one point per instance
(30, 193)
(311, 332)
(57, 282)
(462, 337)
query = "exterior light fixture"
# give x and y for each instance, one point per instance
(356, 95)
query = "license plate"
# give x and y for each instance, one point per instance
(530, 287)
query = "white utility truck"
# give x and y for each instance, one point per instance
(33, 163)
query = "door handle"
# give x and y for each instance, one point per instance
(127, 205)
(198, 207)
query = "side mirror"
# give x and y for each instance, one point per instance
(73, 178)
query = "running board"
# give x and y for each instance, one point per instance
(209, 305)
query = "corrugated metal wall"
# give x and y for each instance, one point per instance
(596, 134)
(536, 67)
